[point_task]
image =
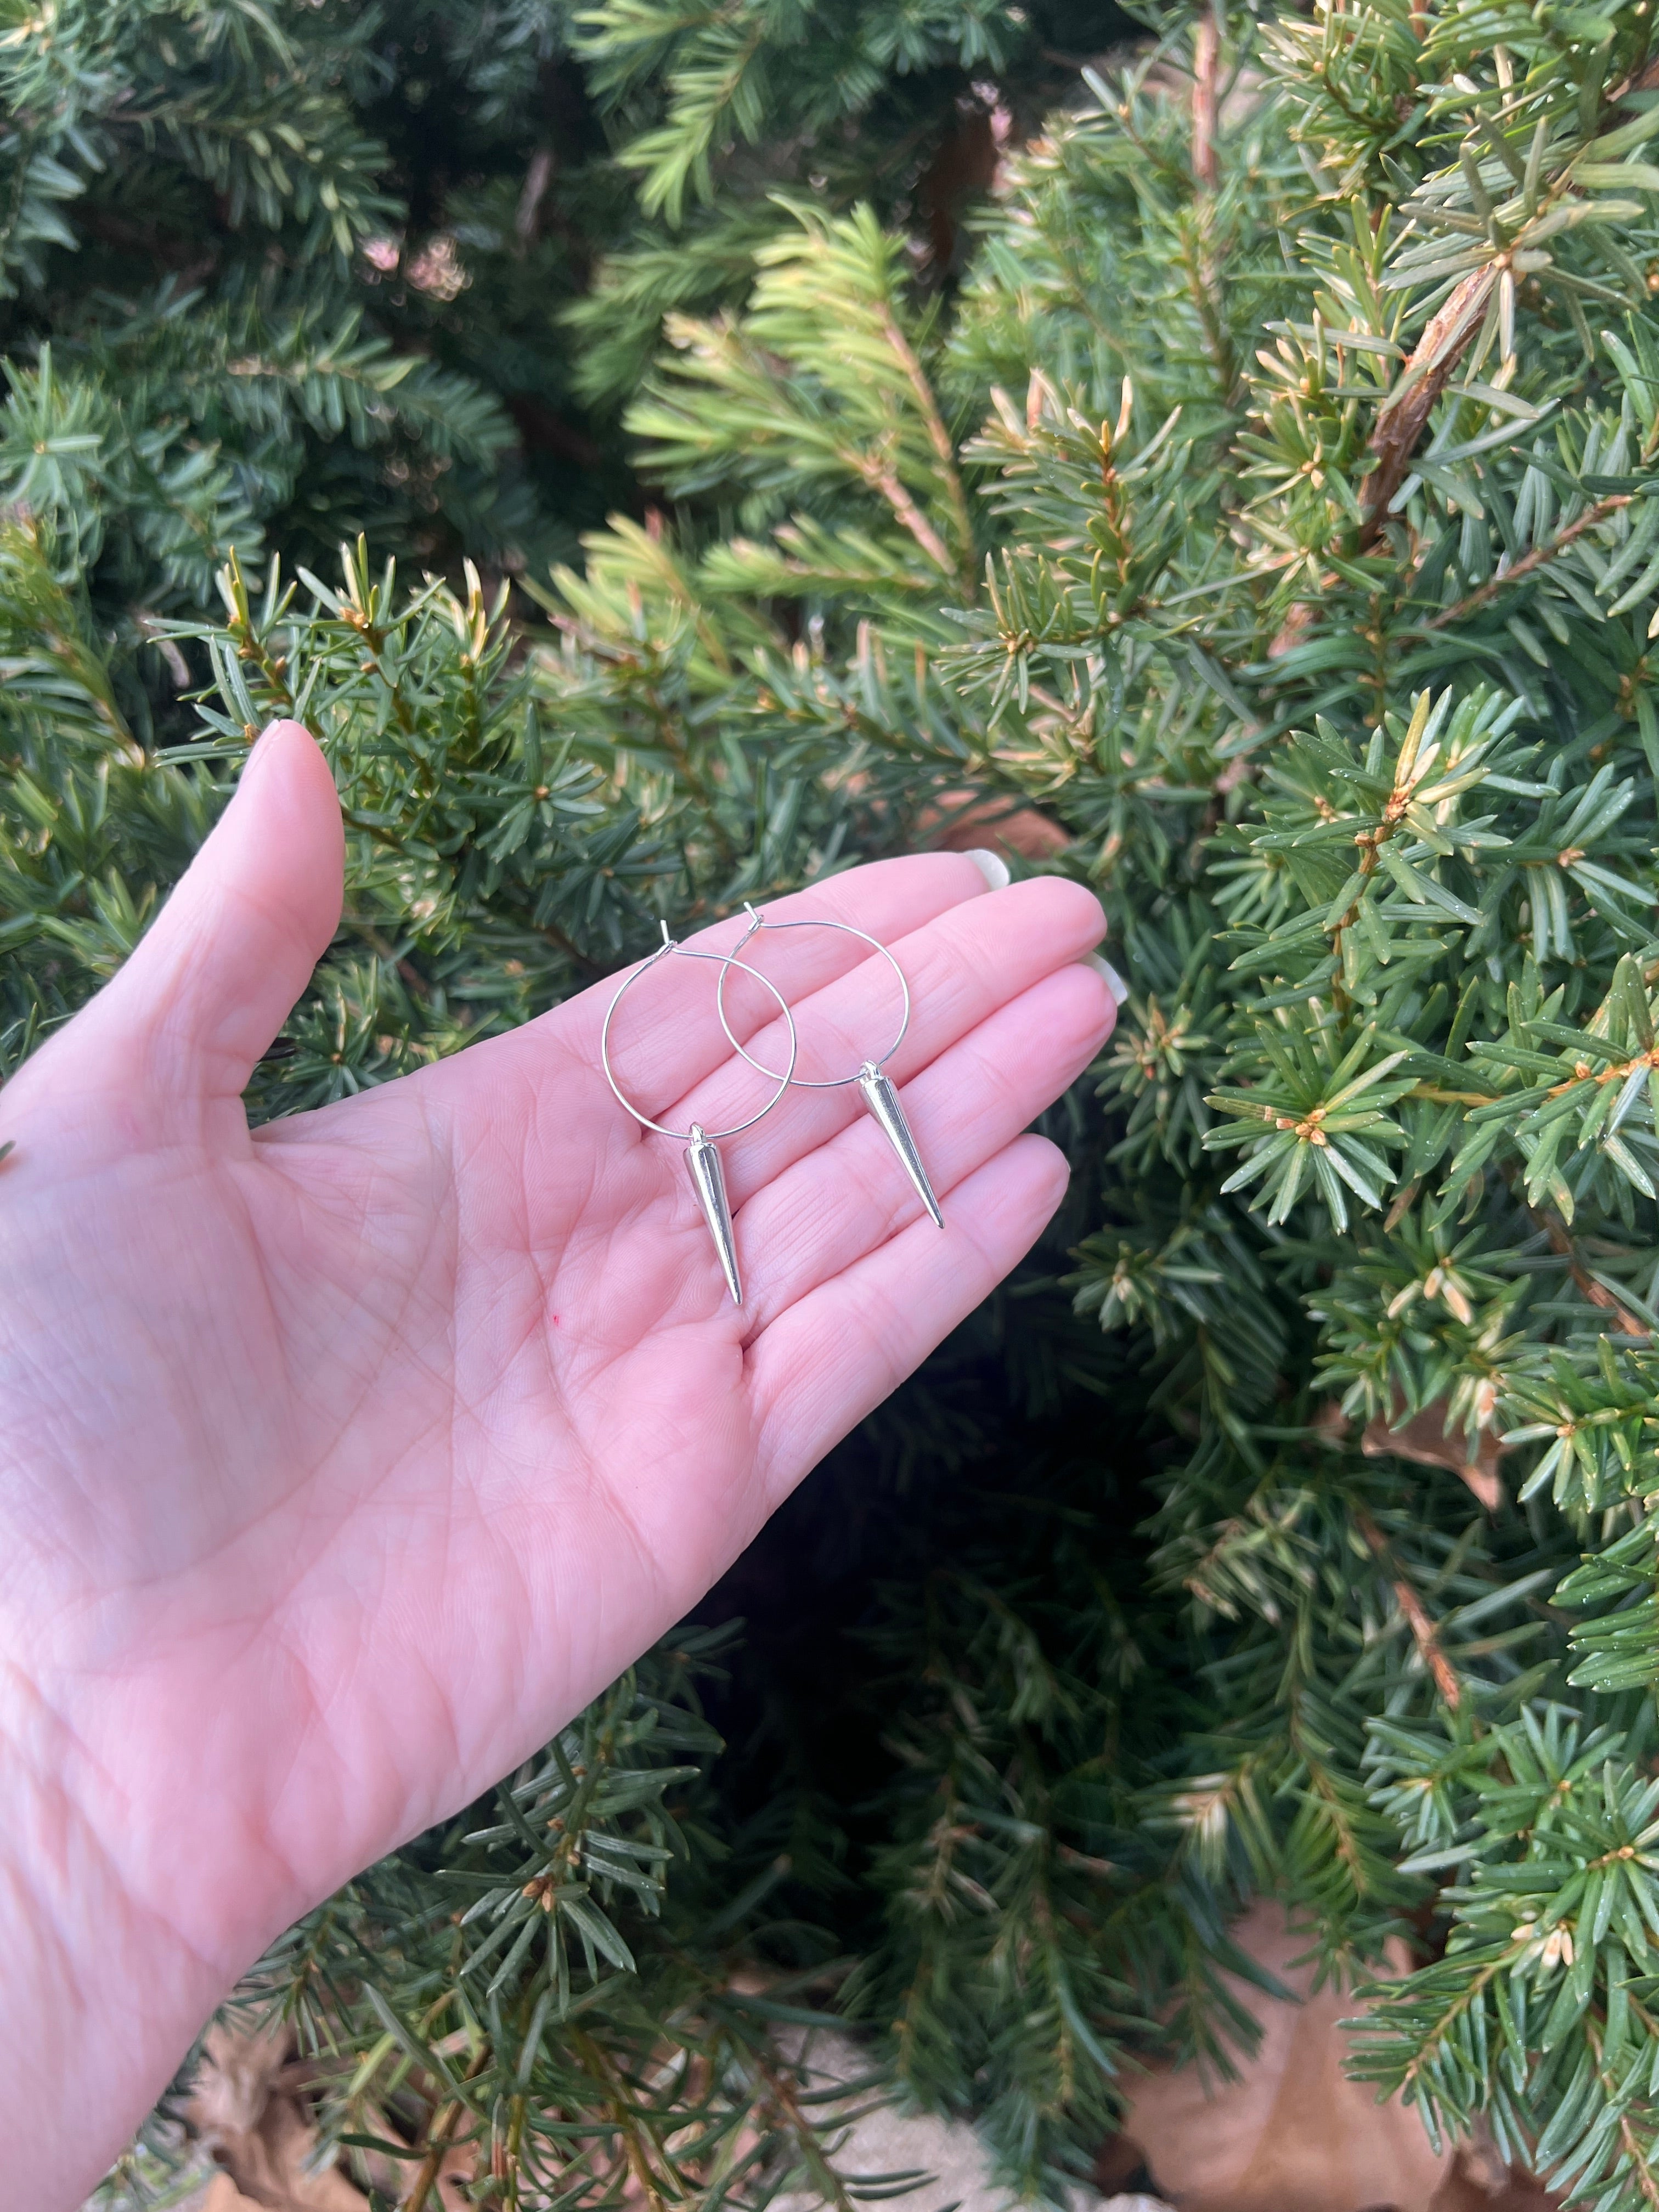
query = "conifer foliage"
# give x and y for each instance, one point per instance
(1273, 508)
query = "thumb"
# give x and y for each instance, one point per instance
(220, 969)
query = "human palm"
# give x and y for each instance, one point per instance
(342, 1461)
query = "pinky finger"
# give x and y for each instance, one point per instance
(821, 1366)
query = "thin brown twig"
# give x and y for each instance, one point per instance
(639, 2162)
(1598, 511)
(1423, 1630)
(881, 477)
(1561, 1243)
(786, 2104)
(1641, 2160)
(443, 2125)
(939, 438)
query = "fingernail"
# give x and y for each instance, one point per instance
(1107, 975)
(991, 866)
(258, 753)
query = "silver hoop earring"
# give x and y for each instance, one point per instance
(879, 1094)
(702, 1160)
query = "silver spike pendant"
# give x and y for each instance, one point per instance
(883, 1101)
(707, 1176)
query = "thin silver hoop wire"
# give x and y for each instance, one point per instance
(791, 1080)
(686, 1136)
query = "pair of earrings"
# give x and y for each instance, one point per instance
(702, 1157)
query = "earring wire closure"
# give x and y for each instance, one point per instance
(800, 1082)
(669, 946)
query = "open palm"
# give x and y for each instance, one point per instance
(345, 1461)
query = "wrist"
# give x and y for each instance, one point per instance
(103, 1995)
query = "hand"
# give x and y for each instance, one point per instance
(342, 1461)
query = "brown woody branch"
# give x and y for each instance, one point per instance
(1206, 54)
(1427, 374)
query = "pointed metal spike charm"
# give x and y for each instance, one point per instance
(709, 1180)
(883, 1101)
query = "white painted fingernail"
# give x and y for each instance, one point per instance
(1107, 975)
(991, 866)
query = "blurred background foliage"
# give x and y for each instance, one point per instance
(669, 453)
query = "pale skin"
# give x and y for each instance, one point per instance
(341, 1461)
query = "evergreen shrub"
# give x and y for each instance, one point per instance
(1272, 508)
